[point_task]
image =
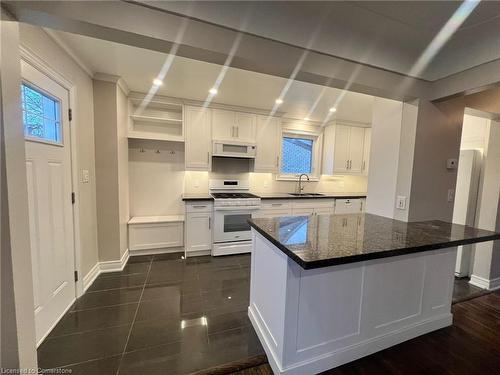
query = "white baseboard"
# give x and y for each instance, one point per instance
(90, 277)
(166, 250)
(114, 265)
(481, 282)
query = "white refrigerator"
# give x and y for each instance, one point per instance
(466, 198)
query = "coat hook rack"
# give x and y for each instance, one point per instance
(141, 150)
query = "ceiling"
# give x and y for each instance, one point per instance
(191, 79)
(386, 34)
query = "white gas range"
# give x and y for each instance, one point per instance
(233, 206)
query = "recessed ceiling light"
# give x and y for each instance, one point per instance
(157, 82)
(333, 109)
(279, 101)
(213, 91)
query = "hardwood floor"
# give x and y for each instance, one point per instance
(470, 346)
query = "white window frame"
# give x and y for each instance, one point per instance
(316, 154)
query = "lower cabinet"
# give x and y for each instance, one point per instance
(349, 206)
(198, 233)
(313, 206)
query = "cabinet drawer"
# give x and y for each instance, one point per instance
(273, 213)
(275, 204)
(156, 235)
(313, 203)
(347, 206)
(201, 206)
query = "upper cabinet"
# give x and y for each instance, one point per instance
(234, 126)
(268, 131)
(198, 138)
(344, 150)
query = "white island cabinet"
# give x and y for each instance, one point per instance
(326, 290)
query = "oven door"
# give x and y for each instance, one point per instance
(230, 224)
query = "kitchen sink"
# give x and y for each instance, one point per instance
(306, 194)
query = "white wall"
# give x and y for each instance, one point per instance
(123, 180)
(384, 156)
(156, 180)
(37, 41)
(487, 257)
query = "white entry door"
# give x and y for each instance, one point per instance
(48, 166)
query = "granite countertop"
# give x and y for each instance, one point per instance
(205, 197)
(305, 196)
(325, 240)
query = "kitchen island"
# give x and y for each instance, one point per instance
(328, 289)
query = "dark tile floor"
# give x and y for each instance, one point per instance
(161, 314)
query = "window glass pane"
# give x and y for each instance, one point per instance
(41, 115)
(297, 155)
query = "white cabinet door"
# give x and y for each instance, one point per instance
(341, 149)
(348, 206)
(245, 126)
(328, 150)
(198, 231)
(366, 151)
(356, 140)
(272, 213)
(323, 211)
(296, 211)
(198, 140)
(267, 141)
(223, 125)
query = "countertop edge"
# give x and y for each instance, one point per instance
(325, 196)
(370, 256)
(193, 199)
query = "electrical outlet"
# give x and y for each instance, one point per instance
(451, 195)
(401, 202)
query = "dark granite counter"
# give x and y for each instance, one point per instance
(206, 197)
(325, 240)
(305, 196)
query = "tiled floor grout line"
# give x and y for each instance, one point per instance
(135, 316)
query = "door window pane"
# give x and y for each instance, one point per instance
(41, 115)
(236, 223)
(297, 155)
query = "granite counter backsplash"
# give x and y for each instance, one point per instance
(325, 240)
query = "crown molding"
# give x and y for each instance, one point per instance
(120, 82)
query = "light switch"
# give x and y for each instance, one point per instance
(85, 176)
(401, 202)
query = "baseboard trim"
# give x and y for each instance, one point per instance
(165, 250)
(90, 277)
(483, 283)
(114, 265)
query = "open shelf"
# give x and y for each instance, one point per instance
(156, 219)
(155, 119)
(154, 136)
(160, 119)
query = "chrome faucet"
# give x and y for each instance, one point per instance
(300, 182)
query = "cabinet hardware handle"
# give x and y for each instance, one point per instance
(277, 204)
(209, 223)
(232, 131)
(199, 206)
(347, 164)
(208, 157)
(237, 132)
(277, 161)
(364, 165)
